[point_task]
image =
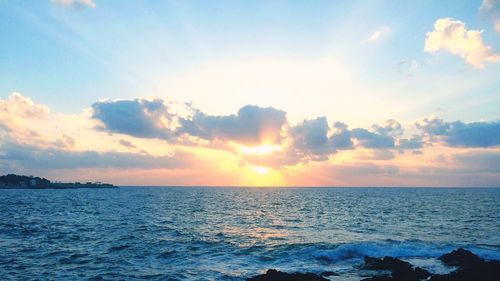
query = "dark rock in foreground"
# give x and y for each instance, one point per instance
(274, 275)
(470, 267)
(461, 258)
(400, 270)
(328, 273)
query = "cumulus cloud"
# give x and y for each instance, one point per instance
(17, 116)
(76, 3)
(415, 142)
(252, 125)
(315, 140)
(341, 136)
(451, 35)
(460, 134)
(390, 127)
(26, 145)
(310, 139)
(368, 139)
(312, 136)
(21, 106)
(141, 118)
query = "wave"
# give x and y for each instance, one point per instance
(398, 249)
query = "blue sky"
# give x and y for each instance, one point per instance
(356, 62)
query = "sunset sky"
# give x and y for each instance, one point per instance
(267, 93)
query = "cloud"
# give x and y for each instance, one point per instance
(127, 143)
(310, 139)
(35, 140)
(355, 174)
(21, 106)
(76, 3)
(141, 118)
(376, 154)
(32, 157)
(379, 34)
(367, 139)
(252, 125)
(415, 142)
(479, 161)
(315, 140)
(19, 116)
(390, 127)
(341, 136)
(460, 134)
(491, 9)
(451, 35)
(65, 142)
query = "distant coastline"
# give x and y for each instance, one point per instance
(12, 181)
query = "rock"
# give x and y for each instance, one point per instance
(274, 275)
(387, 263)
(379, 278)
(421, 273)
(470, 267)
(460, 258)
(400, 270)
(328, 273)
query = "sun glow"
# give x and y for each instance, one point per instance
(261, 170)
(259, 150)
(254, 175)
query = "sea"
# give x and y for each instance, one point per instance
(232, 233)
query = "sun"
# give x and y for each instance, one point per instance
(254, 175)
(261, 170)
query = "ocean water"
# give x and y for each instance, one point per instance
(148, 233)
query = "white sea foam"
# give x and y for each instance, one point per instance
(398, 249)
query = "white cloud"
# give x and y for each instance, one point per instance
(379, 34)
(452, 36)
(19, 105)
(76, 3)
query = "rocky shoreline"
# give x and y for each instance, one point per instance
(469, 267)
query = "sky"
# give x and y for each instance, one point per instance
(252, 93)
